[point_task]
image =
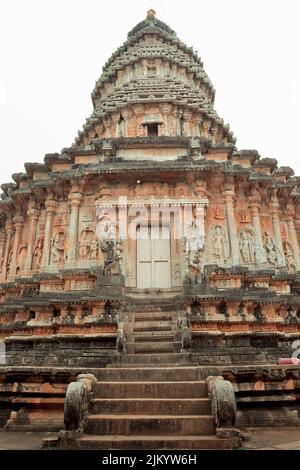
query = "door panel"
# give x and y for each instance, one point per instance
(153, 262)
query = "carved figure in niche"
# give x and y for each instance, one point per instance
(289, 256)
(94, 249)
(244, 217)
(82, 249)
(61, 219)
(1, 264)
(219, 243)
(194, 239)
(106, 228)
(58, 248)
(270, 248)
(247, 245)
(219, 213)
(38, 251)
(88, 245)
(111, 262)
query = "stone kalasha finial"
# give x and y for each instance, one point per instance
(151, 13)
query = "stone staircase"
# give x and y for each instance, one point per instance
(150, 331)
(151, 408)
(152, 398)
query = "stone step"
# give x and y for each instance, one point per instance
(154, 347)
(151, 406)
(189, 425)
(197, 389)
(137, 442)
(152, 307)
(156, 374)
(154, 326)
(157, 317)
(152, 359)
(156, 336)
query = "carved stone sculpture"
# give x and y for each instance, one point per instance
(219, 243)
(38, 251)
(273, 253)
(289, 256)
(223, 401)
(58, 248)
(77, 400)
(247, 245)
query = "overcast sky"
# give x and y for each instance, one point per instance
(52, 52)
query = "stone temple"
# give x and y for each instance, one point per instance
(153, 264)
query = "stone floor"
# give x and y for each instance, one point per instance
(260, 439)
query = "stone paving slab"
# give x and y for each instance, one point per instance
(280, 438)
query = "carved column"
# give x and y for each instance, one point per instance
(33, 215)
(9, 232)
(233, 238)
(293, 234)
(74, 202)
(178, 115)
(18, 221)
(2, 242)
(276, 226)
(2, 251)
(127, 113)
(187, 115)
(50, 205)
(260, 254)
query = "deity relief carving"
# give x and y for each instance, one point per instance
(247, 245)
(88, 245)
(289, 256)
(219, 243)
(58, 248)
(274, 256)
(61, 219)
(111, 258)
(219, 213)
(266, 223)
(38, 251)
(245, 217)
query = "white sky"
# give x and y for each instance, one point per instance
(52, 52)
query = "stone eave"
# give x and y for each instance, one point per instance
(32, 167)
(51, 158)
(266, 162)
(239, 295)
(19, 177)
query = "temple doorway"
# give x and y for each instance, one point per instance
(153, 259)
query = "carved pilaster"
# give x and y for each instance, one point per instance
(50, 205)
(9, 233)
(2, 251)
(187, 115)
(33, 216)
(260, 255)
(18, 221)
(233, 238)
(276, 226)
(74, 202)
(127, 113)
(293, 234)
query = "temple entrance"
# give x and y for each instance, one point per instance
(153, 260)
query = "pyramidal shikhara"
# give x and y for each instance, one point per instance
(154, 246)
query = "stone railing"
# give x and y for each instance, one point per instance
(76, 409)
